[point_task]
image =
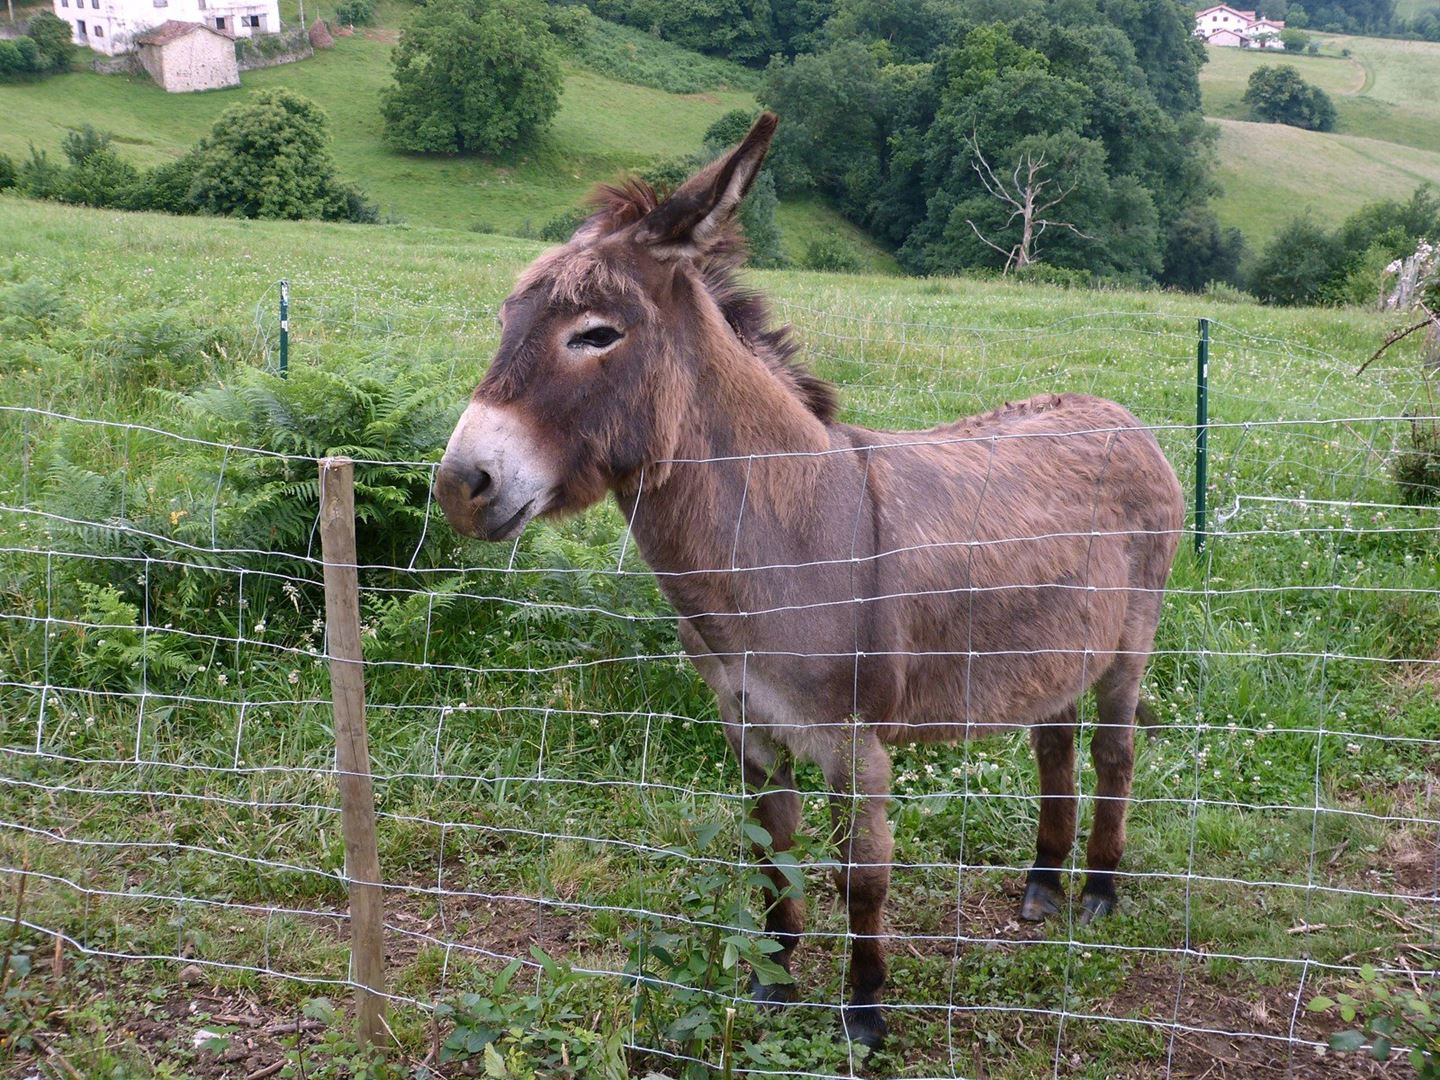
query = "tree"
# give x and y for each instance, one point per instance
(1277, 94)
(834, 107)
(1029, 192)
(472, 76)
(269, 157)
(1294, 40)
(1199, 250)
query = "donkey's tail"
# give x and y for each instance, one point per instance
(1145, 715)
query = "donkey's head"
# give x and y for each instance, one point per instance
(592, 379)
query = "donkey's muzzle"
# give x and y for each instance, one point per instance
(496, 474)
(476, 503)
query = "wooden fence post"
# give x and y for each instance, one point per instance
(352, 745)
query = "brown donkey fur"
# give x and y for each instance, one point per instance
(838, 588)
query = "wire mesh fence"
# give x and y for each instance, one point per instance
(552, 782)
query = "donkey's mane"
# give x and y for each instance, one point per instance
(618, 205)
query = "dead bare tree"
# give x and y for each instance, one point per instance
(1031, 196)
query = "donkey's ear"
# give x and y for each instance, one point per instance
(693, 217)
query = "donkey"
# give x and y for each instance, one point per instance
(838, 588)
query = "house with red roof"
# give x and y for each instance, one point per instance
(1223, 25)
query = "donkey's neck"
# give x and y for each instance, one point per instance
(748, 454)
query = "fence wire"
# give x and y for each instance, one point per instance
(551, 773)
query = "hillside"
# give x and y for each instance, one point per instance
(550, 768)
(605, 126)
(1386, 142)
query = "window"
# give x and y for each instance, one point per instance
(80, 27)
(99, 31)
(220, 22)
(252, 21)
(201, 3)
(64, 3)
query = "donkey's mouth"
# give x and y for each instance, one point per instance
(512, 526)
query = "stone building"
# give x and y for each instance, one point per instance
(185, 56)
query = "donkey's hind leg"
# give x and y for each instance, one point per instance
(1054, 745)
(858, 776)
(1112, 749)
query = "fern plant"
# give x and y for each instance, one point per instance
(366, 411)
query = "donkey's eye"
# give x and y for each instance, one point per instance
(597, 337)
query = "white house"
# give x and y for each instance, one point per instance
(111, 26)
(1227, 26)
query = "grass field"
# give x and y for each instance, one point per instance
(1271, 172)
(1409, 9)
(1386, 142)
(1293, 775)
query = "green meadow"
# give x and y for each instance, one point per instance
(1386, 141)
(535, 734)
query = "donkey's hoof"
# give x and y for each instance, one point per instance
(864, 1024)
(1095, 906)
(1041, 901)
(772, 995)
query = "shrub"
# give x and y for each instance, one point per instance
(1294, 40)
(635, 56)
(1063, 276)
(39, 177)
(472, 76)
(1199, 250)
(562, 226)
(762, 228)
(728, 130)
(1278, 95)
(355, 12)
(572, 25)
(269, 157)
(79, 145)
(830, 254)
(1297, 265)
(9, 177)
(1416, 467)
(349, 203)
(51, 35)
(168, 188)
(14, 62)
(102, 179)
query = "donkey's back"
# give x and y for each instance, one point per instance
(1021, 558)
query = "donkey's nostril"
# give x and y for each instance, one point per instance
(481, 485)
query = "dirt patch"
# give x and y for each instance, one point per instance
(1414, 855)
(1235, 1031)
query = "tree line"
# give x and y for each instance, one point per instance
(905, 114)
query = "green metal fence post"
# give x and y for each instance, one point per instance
(284, 329)
(1202, 430)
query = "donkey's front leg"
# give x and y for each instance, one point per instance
(770, 776)
(858, 774)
